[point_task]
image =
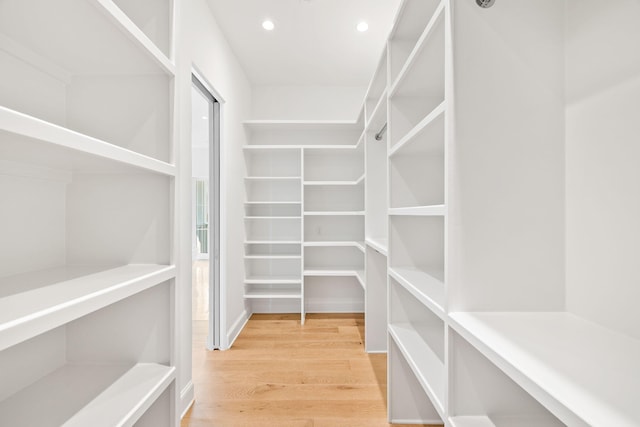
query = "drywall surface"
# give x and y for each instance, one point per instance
(506, 164)
(307, 102)
(202, 45)
(602, 162)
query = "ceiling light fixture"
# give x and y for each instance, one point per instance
(362, 27)
(268, 25)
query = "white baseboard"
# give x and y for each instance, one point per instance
(409, 421)
(187, 398)
(236, 328)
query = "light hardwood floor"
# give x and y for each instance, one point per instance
(282, 374)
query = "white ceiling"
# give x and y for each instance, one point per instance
(315, 42)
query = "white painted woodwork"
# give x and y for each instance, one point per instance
(87, 283)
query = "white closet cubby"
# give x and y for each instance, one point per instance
(87, 282)
(304, 215)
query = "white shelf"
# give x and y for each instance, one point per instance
(424, 125)
(332, 147)
(273, 280)
(36, 141)
(273, 178)
(379, 244)
(272, 242)
(88, 395)
(336, 272)
(434, 210)
(471, 421)
(51, 298)
(131, 30)
(124, 48)
(335, 183)
(272, 257)
(272, 203)
(272, 294)
(415, 53)
(271, 217)
(427, 287)
(335, 213)
(582, 372)
(269, 147)
(335, 244)
(427, 367)
(310, 125)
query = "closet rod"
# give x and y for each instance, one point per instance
(381, 133)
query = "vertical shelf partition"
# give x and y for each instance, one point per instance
(87, 282)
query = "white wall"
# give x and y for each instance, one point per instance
(506, 203)
(307, 102)
(603, 162)
(201, 43)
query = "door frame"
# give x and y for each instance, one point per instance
(217, 274)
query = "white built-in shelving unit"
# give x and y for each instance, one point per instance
(87, 279)
(484, 326)
(304, 216)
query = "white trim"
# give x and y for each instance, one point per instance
(335, 305)
(415, 421)
(236, 328)
(187, 395)
(221, 306)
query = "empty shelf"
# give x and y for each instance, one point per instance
(272, 178)
(279, 280)
(335, 183)
(471, 421)
(301, 125)
(432, 126)
(27, 139)
(272, 257)
(334, 213)
(583, 373)
(101, 396)
(425, 286)
(336, 272)
(424, 363)
(434, 210)
(273, 294)
(336, 244)
(58, 296)
(273, 203)
(380, 244)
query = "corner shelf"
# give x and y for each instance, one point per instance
(335, 183)
(427, 287)
(48, 299)
(524, 346)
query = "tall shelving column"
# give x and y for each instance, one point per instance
(87, 282)
(417, 213)
(273, 221)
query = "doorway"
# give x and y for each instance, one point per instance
(205, 204)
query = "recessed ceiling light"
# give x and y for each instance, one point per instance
(205, 117)
(268, 25)
(362, 27)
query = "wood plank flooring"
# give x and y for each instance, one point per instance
(282, 374)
